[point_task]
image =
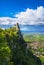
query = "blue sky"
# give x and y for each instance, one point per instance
(10, 7)
(25, 12)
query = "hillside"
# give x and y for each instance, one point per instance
(13, 48)
(36, 43)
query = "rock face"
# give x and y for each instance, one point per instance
(18, 30)
(21, 40)
(30, 59)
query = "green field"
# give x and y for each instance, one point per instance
(34, 38)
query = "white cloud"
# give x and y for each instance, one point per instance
(29, 16)
(7, 21)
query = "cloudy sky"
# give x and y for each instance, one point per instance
(25, 12)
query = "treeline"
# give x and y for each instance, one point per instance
(13, 49)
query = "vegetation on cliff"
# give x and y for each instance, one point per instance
(13, 48)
